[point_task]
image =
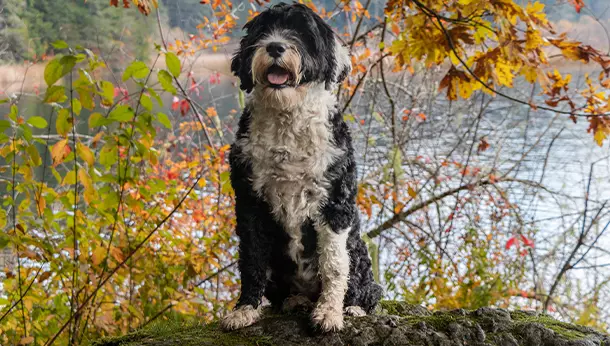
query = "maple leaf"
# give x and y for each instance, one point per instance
(512, 241)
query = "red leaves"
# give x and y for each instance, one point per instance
(578, 5)
(515, 240)
(183, 105)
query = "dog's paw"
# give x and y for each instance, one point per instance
(328, 318)
(297, 303)
(240, 317)
(355, 311)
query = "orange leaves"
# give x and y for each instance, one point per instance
(60, 151)
(144, 6)
(211, 112)
(483, 145)
(578, 4)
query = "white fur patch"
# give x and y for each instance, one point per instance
(334, 272)
(241, 317)
(355, 311)
(290, 149)
(343, 58)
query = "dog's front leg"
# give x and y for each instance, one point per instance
(254, 224)
(336, 219)
(334, 270)
(254, 255)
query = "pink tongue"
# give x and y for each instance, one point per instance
(277, 78)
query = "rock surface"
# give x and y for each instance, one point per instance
(396, 324)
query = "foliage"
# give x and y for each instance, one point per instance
(95, 240)
(489, 44)
(117, 204)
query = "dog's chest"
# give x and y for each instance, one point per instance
(289, 153)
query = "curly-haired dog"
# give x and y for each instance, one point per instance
(294, 175)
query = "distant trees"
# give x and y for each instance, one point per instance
(27, 28)
(12, 30)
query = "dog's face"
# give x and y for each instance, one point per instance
(287, 47)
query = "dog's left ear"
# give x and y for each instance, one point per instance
(343, 62)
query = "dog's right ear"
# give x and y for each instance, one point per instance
(241, 63)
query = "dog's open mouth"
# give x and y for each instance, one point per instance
(278, 77)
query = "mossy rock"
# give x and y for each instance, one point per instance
(397, 323)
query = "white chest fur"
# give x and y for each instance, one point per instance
(289, 152)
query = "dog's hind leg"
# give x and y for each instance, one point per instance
(296, 303)
(354, 311)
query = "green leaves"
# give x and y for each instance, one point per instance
(122, 113)
(97, 120)
(146, 102)
(76, 106)
(137, 69)
(38, 122)
(55, 94)
(63, 123)
(4, 124)
(107, 92)
(164, 120)
(59, 44)
(58, 68)
(173, 64)
(166, 82)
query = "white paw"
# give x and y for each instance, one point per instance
(239, 318)
(327, 317)
(355, 311)
(298, 302)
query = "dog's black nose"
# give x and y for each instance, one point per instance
(275, 49)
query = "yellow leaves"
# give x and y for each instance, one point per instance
(90, 192)
(85, 154)
(503, 73)
(98, 255)
(536, 12)
(534, 40)
(26, 340)
(530, 73)
(412, 193)
(456, 80)
(600, 136)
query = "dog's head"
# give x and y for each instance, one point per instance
(288, 46)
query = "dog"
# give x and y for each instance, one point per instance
(294, 175)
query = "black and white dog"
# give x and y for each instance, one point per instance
(294, 175)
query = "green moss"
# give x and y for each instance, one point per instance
(495, 326)
(175, 333)
(402, 309)
(566, 330)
